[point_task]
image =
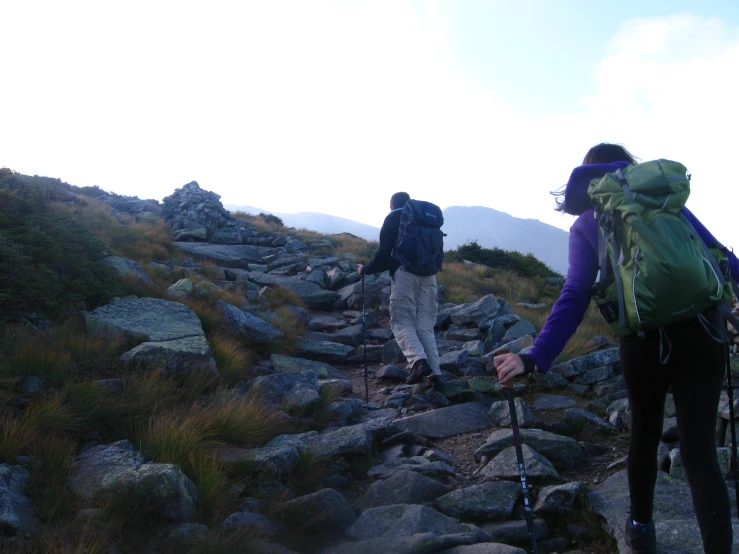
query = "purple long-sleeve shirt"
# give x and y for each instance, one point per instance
(569, 310)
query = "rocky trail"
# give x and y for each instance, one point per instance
(412, 471)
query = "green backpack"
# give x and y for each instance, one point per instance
(654, 267)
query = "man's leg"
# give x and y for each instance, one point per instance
(428, 308)
(403, 299)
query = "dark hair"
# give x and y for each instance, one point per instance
(603, 153)
(399, 199)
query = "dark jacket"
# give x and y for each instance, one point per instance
(384, 260)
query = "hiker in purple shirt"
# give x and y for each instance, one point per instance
(694, 371)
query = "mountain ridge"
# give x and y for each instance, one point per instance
(489, 227)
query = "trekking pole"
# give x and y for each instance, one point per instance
(364, 330)
(521, 467)
(733, 430)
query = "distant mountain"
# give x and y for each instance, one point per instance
(494, 229)
(321, 223)
(490, 228)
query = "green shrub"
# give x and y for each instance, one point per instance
(499, 259)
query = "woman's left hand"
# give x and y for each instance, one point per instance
(508, 366)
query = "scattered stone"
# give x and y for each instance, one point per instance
(595, 375)
(445, 422)
(505, 465)
(519, 330)
(325, 351)
(494, 500)
(475, 348)
(184, 536)
(581, 365)
(250, 327)
(106, 471)
(275, 460)
(674, 515)
(516, 531)
(464, 334)
(286, 364)
(354, 439)
(174, 357)
(128, 268)
(500, 414)
(558, 498)
(404, 487)
(392, 372)
(605, 388)
(551, 380)
(485, 548)
(587, 423)
(296, 392)
(669, 429)
(554, 402)
(322, 511)
(402, 520)
(454, 360)
(144, 319)
(677, 470)
(250, 523)
(484, 309)
(17, 514)
(515, 346)
(564, 452)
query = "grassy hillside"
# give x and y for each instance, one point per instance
(52, 240)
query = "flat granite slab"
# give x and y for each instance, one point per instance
(674, 518)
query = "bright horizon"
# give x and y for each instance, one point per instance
(332, 106)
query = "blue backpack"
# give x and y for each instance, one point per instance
(420, 244)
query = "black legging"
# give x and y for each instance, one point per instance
(695, 370)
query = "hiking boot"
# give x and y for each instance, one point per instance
(419, 370)
(436, 382)
(641, 538)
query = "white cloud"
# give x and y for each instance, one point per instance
(333, 106)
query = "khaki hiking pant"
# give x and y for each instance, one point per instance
(413, 312)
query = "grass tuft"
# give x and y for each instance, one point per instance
(232, 359)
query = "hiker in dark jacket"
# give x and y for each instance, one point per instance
(413, 301)
(694, 370)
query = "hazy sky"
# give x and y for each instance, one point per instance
(333, 106)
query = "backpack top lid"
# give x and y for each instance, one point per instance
(576, 198)
(658, 184)
(424, 213)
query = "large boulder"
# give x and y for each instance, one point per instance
(287, 364)
(489, 501)
(226, 255)
(325, 351)
(354, 439)
(248, 326)
(404, 487)
(16, 509)
(126, 268)
(322, 511)
(484, 309)
(674, 515)
(174, 356)
(109, 471)
(144, 319)
(285, 391)
(274, 460)
(582, 365)
(564, 452)
(403, 520)
(444, 422)
(505, 465)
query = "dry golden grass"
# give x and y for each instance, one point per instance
(278, 297)
(292, 328)
(143, 241)
(210, 318)
(233, 359)
(15, 439)
(240, 421)
(258, 222)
